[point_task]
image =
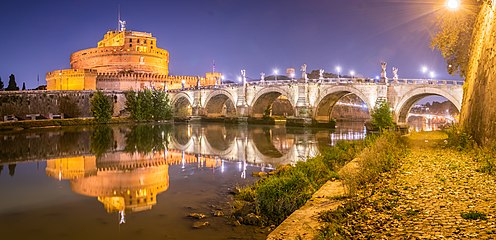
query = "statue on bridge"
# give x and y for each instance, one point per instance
(321, 74)
(384, 78)
(395, 74)
(262, 76)
(303, 70)
(243, 76)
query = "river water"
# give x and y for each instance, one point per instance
(141, 181)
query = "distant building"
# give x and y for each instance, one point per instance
(123, 60)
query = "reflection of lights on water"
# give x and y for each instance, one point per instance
(122, 217)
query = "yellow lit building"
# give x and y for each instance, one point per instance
(123, 60)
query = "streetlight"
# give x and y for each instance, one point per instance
(338, 69)
(221, 79)
(352, 73)
(276, 71)
(453, 5)
(432, 74)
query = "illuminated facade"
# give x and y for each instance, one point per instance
(123, 60)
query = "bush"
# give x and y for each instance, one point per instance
(382, 117)
(459, 139)
(101, 107)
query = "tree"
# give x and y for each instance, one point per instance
(454, 36)
(12, 84)
(23, 86)
(382, 117)
(148, 105)
(1, 84)
(101, 107)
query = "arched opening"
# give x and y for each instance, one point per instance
(272, 104)
(220, 106)
(342, 106)
(182, 107)
(428, 112)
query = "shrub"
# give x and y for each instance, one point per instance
(382, 117)
(473, 215)
(459, 139)
(148, 105)
(101, 107)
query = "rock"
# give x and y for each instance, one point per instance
(259, 174)
(200, 224)
(197, 215)
(252, 219)
(218, 214)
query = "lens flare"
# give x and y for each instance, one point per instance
(453, 4)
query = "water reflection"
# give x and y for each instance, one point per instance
(126, 167)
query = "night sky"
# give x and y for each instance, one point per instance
(256, 35)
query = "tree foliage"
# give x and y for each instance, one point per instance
(12, 84)
(148, 105)
(382, 117)
(101, 107)
(454, 36)
(1, 84)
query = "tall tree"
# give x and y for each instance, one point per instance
(23, 86)
(454, 36)
(1, 84)
(12, 84)
(101, 107)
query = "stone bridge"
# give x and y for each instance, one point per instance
(311, 100)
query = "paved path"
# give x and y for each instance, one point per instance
(426, 197)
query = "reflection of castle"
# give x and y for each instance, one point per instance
(129, 184)
(123, 60)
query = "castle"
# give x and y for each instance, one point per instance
(124, 60)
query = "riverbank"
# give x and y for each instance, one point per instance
(437, 192)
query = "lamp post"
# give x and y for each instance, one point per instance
(275, 73)
(352, 74)
(338, 70)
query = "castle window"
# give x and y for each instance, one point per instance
(130, 45)
(130, 40)
(144, 41)
(151, 42)
(138, 40)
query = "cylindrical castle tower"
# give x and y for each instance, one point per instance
(124, 51)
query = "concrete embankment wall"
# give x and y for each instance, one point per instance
(69, 103)
(478, 114)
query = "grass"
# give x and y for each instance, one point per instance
(277, 196)
(473, 215)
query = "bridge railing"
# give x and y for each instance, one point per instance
(328, 81)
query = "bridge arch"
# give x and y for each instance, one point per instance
(218, 103)
(330, 96)
(182, 104)
(410, 98)
(266, 97)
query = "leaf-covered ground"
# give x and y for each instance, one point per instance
(436, 193)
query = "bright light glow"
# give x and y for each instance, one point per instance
(453, 4)
(352, 73)
(338, 69)
(292, 75)
(424, 69)
(432, 74)
(239, 79)
(377, 77)
(276, 71)
(222, 77)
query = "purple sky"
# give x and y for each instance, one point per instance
(256, 35)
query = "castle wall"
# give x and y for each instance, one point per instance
(71, 79)
(69, 103)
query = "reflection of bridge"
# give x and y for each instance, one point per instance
(313, 99)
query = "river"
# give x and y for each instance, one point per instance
(141, 181)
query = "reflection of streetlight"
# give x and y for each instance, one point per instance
(338, 69)
(275, 73)
(453, 5)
